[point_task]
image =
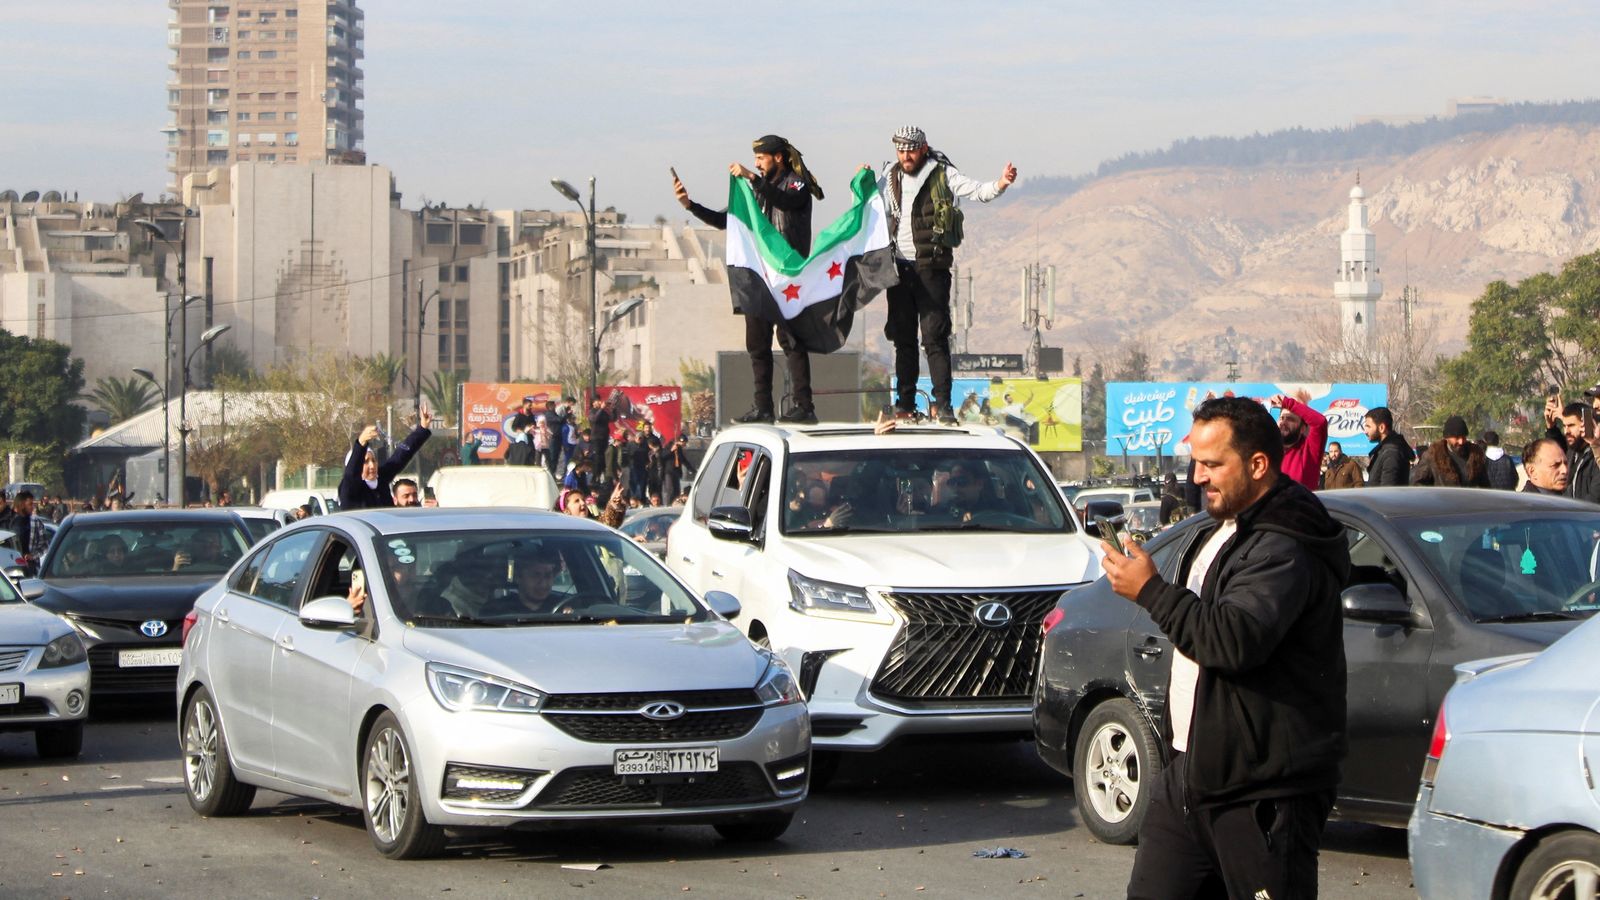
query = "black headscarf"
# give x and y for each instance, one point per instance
(771, 143)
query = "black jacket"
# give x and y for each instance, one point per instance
(1583, 476)
(354, 493)
(1268, 635)
(1389, 465)
(786, 201)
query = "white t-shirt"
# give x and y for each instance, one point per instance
(1185, 671)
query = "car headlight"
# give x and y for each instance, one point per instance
(824, 598)
(777, 686)
(66, 650)
(462, 690)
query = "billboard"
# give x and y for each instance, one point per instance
(660, 408)
(1048, 413)
(1143, 416)
(488, 407)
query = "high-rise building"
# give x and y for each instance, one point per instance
(274, 81)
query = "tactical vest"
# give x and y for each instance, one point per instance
(929, 251)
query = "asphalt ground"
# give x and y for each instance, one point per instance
(901, 823)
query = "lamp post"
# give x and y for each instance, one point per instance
(612, 316)
(422, 319)
(210, 334)
(567, 191)
(166, 429)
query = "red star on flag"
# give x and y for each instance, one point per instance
(835, 272)
(792, 292)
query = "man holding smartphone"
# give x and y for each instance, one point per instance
(1572, 426)
(784, 188)
(1257, 691)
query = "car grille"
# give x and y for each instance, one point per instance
(597, 788)
(30, 706)
(615, 718)
(944, 655)
(106, 677)
(11, 659)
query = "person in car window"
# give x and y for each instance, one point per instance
(962, 491)
(207, 551)
(535, 581)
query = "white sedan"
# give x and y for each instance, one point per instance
(44, 675)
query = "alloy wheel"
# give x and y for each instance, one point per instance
(1573, 879)
(200, 750)
(388, 785)
(1112, 770)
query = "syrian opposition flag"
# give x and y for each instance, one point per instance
(816, 296)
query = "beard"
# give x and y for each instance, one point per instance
(1227, 502)
(1293, 438)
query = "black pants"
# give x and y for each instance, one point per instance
(758, 341)
(920, 302)
(1247, 851)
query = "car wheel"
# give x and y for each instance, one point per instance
(1562, 866)
(1115, 767)
(392, 803)
(754, 830)
(59, 741)
(208, 776)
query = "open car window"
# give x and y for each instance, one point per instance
(537, 578)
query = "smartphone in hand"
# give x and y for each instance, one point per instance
(358, 580)
(1111, 533)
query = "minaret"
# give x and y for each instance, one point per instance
(1358, 288)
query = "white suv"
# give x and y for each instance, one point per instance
(903, 576)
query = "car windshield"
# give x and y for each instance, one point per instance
(651, 527)
(94, 550)
(1528, 569)
(890, 490)
(508, 578)
(260, 527)
(8, 593)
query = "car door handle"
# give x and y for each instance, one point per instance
(1149, 648)
(287, 643)
(222, 615)
(687, 560)
(715, 574)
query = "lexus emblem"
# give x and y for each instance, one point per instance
(154, 628)
(993, 614)
(662, 710)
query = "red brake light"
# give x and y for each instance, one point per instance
(1053, 618)
(188, 623)
(1441, 737)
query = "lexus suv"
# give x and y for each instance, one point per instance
(903, 576)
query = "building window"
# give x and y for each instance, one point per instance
(215, 96)
(292, 138)
(461, 351)
(269, 117)
(471, 234)
(291, 34)
(291, 14)
(218, 138)
(463, 274)
(505, 278)
(444, 272)
(220, 35)
(244, 117)
(267, 54)
(268, 96)
(268, 157)
(291, 115)
(216, 157)
(219, 55)
(244, 55)
(439, 233)
(267, 36)
(244, 96)
(242, 157)
(462, 308)
(216, 117)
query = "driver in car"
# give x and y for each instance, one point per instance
(535, 581)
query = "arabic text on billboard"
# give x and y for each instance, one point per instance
(1145, 416)
(487, 409)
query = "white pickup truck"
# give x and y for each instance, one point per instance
(903, 576)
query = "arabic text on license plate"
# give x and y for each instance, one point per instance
(665, 762)
(138, 659)
(10, 693)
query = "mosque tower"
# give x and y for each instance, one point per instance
(1358, 289)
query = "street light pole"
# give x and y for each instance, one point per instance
(166, 422)
(422, 319)
(567, 191)
(206, 338)
(154, 229)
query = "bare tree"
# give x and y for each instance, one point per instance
(1406, 358)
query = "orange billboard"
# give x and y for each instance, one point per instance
(488, 407)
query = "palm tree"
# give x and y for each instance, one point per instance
(123, 398)
(386, 369)
(443, 391)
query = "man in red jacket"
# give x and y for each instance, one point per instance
(1305, 434)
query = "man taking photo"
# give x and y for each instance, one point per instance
(1257, 692)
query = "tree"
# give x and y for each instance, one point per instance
(1134, 364)
(123, 398)
(1094, 406)
(1405, 358)
(696, 375)
(386, 369)
(309, 410)
(443, 390)
(226, 363)
(40, 381)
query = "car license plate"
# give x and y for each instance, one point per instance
(139, 659)
(10, 693)
(685, 761)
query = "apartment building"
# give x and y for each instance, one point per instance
(271, 81)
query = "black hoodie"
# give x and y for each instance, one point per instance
(1268, 635)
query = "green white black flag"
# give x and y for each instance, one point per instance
(815, 296)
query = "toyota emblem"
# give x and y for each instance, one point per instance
(154, 628)
(662, 710)
(993, 614)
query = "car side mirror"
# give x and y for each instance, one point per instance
(328, 612)
(730, 523)
(1091, 528)
(723, 604)
(16, 573)
(1376, 603)
(31, 588)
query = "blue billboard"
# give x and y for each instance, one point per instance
(1143, 417)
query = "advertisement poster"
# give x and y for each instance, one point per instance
(487, 410)
(657, 408)
(1142, 416)
(1048, 414)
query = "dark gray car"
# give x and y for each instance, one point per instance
(1439, 576)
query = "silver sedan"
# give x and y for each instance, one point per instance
(44, 675)
(1509, 805)
(483, 667)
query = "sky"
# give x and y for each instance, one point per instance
(484, 102)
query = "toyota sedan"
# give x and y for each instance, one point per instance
(44, 676)
(480, 667)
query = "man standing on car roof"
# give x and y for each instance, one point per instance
(784, 189)
(1257, 693)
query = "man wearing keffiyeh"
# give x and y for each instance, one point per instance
(921, 301)
(784, 188)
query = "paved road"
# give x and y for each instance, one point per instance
(904, 824)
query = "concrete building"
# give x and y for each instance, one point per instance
(1358, 288)
(275, 81)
